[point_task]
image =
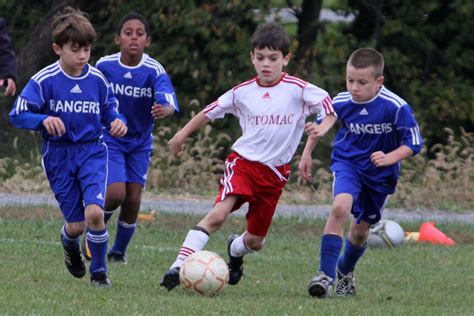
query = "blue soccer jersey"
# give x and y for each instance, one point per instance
(137, 88)
(85, 104)
(382, 124)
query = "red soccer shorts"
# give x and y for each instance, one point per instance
(258, 184)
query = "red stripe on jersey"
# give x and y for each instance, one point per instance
(244, 83)
(298, 83)
(327, 102)
(211, 106)
(303, 82)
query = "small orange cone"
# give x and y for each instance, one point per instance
(146, 217)
(429, 233)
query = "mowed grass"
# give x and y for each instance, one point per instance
(416, 279)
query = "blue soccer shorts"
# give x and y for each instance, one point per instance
(368, 203)
(77, 174)
(129, 158)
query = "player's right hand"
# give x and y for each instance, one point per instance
(314, 130)
(305, 167)
(176, 145)
(10, 86)
(54, 126)
(118, 128)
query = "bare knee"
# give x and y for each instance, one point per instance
(340, 211)
(94, 216)
(115, 196)
(359, 233)
(114, 201)
(76, 228)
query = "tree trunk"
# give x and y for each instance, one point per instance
(368, 22)
(308, 25)
(37, 53)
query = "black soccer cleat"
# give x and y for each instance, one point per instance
(321, 286)
(115, 257)
(235, 264)
(100, 280)
(74, 261)
(171, 279)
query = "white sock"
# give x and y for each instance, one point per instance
(195, 241)
(238, 248)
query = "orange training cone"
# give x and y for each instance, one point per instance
(429, 233)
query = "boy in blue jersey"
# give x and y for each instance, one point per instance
(378, 131)
(145, 93)
(70, 102)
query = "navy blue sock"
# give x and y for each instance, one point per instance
(69, 241)
(97, 241)
(350, 256)
(124, 234)
(330, 248)
(107, 216)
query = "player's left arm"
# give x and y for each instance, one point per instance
(409, 135)
(306, 161)
(166, 102)
(319, 130)
(381, 159)
(318, 101)
(111, 118)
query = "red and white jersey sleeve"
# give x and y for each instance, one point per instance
(272, 118)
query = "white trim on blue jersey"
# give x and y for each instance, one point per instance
(382, 124)
(83, 103)
(137, 89)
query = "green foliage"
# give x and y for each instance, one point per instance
(442, 182)
(197, 171)
(429, 62)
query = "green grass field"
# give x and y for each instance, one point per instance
(416, 279)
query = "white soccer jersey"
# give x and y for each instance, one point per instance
(272, 118)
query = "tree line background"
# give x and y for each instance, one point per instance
(204, 46)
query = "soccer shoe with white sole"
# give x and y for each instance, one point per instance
(114, 257)
(74, 261)
(171, 279)
(321, 285)
(235, 264)
(345, 284)
(100, 280)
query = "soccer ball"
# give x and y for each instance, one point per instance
(204, 272)
(386, 234)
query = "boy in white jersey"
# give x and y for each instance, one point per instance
(378, 131)
(70, 102)
(272, 109)
(145, 93)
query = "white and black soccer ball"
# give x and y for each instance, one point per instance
(386, 234)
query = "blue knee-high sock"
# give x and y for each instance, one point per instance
(124, 234)
(69, 241)
(97, 241)
(350, 256)
(331, 246)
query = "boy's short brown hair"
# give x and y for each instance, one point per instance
(72, 25)
(367, 57)
(271, 36)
